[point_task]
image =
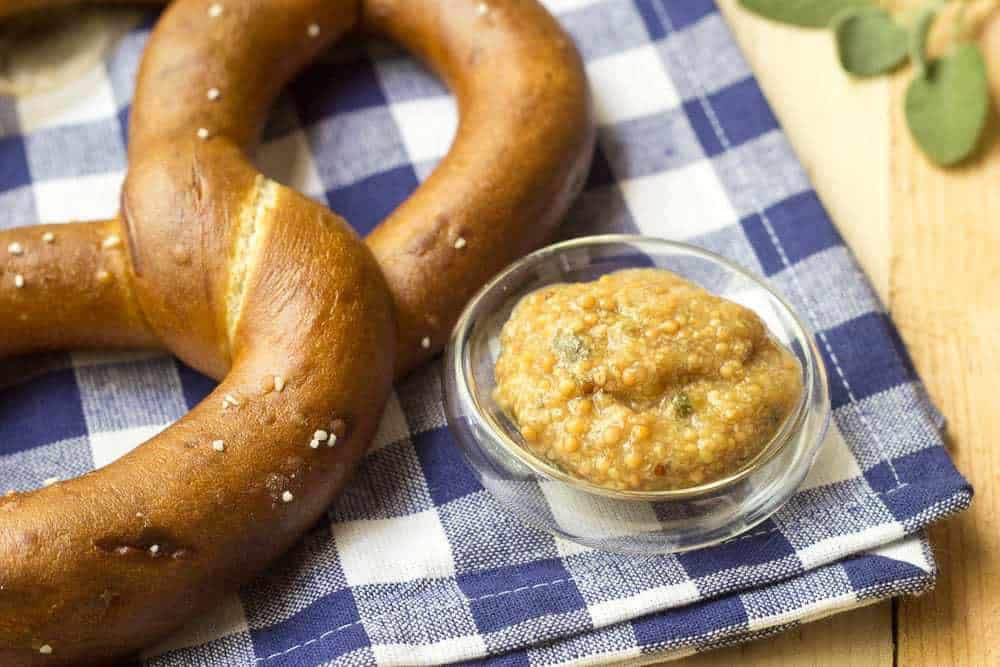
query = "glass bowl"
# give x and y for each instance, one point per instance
(548, 498)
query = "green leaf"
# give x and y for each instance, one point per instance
(921, 29)
(869, 41)
(806, 13)
(946, 105)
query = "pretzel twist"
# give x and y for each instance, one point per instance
(256, 285)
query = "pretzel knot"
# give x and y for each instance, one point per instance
(257, 285)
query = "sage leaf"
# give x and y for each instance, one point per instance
(806, 13)
(921, 29)
(869, 41)
(947, 104)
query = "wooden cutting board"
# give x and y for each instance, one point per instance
(930, 241)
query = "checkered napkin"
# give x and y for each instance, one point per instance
(416, 563)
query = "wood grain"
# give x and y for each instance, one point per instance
(860, 638)
(945, 298)
(930, 241)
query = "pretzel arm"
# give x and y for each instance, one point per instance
(519, 158)
(67, 286)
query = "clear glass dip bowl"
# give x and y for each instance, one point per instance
(543, 495)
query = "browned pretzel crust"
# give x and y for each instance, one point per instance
(253, 283)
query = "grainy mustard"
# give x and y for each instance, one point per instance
(642, 380)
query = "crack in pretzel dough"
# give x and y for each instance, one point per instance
(246, 248)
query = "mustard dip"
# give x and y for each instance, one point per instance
(643, 381)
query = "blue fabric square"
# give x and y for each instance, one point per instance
(703, 128)
(794, 221)
(651, 17)
(683, 13)
(905, 482)
(42, 411)
(448, 477)
(738, 553)
(600, 171)
(503, 597)
(742, 110)
(691, 622)
(353, 85)
(767, 253)
(333, 620)
(514, 659)
(869, 571)
(367, 202)
(14, 171)
(195, 385)
(860, 346)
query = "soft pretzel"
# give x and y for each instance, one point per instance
(252, 283)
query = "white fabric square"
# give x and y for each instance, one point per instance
(612, 611)
(404, 548)
(82, 198)
(910, 550)
(86, 98)
(835, 462)
(680, 203)
(428, 126)
(630, 84)
(466, 647)
(812, 611)
(289, 161)
(112, 445)
(825, 551)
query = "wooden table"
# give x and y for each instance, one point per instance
(930, 241)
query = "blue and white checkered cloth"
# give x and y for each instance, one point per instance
(416, 563)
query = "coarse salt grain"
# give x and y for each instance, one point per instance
(279, 383)
(50, 481)
(112, 241)
(15, 248)
(287, 497)
(155, 549)
(215, 10)
(19, 281)
(45, 649)
(213, 94)
(48, 237)
(459, 243)
(219, 445)
(313, 30)
(425, 343)
(203, 133)
(314, 443)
